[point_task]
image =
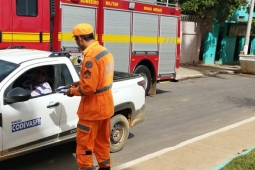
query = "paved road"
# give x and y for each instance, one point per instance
(178, 112)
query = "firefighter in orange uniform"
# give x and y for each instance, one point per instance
(96, 105)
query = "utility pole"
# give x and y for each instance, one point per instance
(248, 30)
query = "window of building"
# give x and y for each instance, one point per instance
(27, 8)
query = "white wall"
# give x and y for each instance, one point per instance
(190, 42)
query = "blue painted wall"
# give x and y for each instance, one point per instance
(228, 43)
(210, 45)
(241, 44)
(228, 50)
(252, 50)
(242, 12)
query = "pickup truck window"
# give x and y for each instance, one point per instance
(39, 80)
(6, 69)
(57, 75)
(65, 77)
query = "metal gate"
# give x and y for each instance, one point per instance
(71, 16)
(116, 37)
(167, 52)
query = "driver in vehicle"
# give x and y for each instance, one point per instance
(39, 85)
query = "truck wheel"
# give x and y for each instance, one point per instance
(119, 132)
(145, 72)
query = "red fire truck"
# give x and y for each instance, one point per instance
(144, 38)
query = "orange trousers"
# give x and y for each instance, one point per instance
(93, 137)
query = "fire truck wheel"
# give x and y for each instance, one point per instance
(119, 132)
(145, 72)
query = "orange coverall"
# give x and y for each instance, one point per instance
(96, 107)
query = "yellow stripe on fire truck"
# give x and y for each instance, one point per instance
(67, 36)
(24, 37)
(110, 38)
(140, 39)
(115, 38)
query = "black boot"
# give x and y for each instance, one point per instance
(108, 168)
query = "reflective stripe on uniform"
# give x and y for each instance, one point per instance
(101, 54)
(97, 91)
(98, 57)
(83, 127)
(80, 91)
(106, 162)
(103, 89)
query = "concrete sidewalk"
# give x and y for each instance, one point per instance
(205, 152)
(190, 71)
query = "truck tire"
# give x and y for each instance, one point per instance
(145, 72)
(119, 132)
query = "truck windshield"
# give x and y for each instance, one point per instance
(6, 68)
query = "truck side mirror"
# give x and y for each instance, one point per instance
(17, 94)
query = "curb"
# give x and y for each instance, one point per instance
(228, 161)
(184, 77)
(208, 73)
(230, 72)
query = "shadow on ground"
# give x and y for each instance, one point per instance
(162, 91)
(56, 157)
(241, 102)
(158, 91)
(247, 75)
(131, 135)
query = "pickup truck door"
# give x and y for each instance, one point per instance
(34, 122)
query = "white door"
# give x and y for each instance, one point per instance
(33, 120)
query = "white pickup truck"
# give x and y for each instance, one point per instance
(28, 123)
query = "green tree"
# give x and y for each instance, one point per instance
(201, 8)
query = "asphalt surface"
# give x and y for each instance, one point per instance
(180, 111)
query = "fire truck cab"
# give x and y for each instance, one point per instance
(143, 38)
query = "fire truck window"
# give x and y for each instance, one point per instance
(26, 8)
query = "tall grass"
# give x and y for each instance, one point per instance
(243, 162)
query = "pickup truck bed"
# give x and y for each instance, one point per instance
(118, 76)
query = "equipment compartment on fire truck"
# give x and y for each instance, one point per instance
(144, 38)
